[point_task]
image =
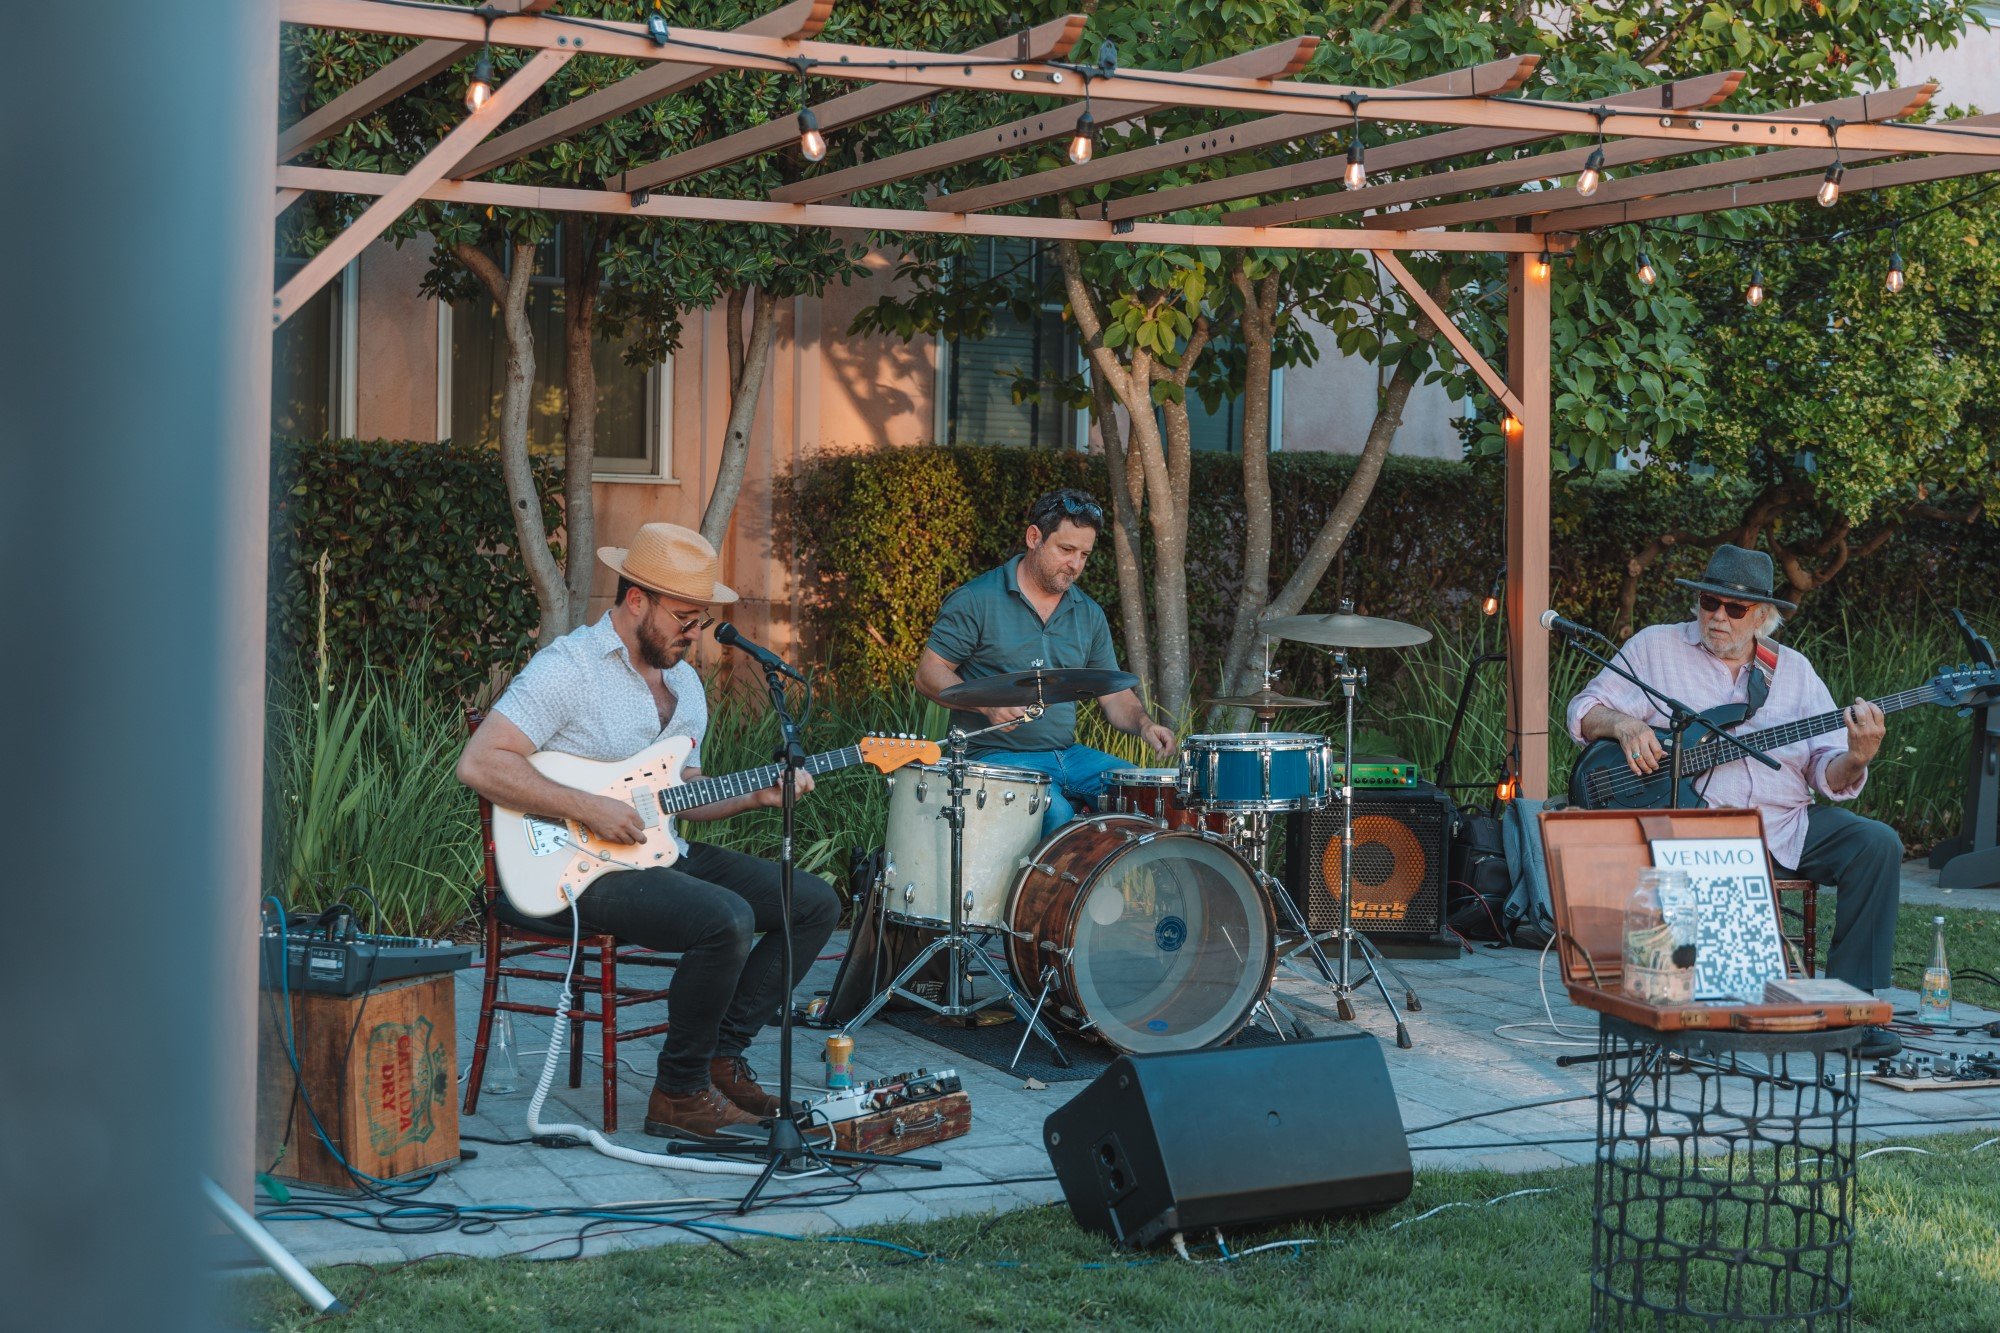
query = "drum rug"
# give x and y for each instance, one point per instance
(995, 1046)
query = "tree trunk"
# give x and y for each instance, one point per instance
(1110, 386)
(1169, 518)
(747, 368)
(582, 239)
(1332, 535)
(1242, 668)
(510, 290)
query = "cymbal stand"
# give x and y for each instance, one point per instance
(1351, 677)
(959, 947)
(1252, 835)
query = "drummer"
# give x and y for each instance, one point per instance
(1029, 613)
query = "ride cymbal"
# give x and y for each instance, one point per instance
(1346, 630)
(1045, 685)
(1268, 698)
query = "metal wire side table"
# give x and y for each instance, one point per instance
(1725, 1178)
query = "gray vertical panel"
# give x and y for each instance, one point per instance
(132, 139)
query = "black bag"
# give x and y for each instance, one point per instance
(878, 949)
(1476, 893)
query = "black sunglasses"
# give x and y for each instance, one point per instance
(695, 621)
(1737, 610)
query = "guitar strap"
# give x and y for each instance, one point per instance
(1766, 663)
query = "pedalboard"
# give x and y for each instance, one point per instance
(884, 1094)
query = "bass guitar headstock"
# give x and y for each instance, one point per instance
(889, 753)
(1966, 687)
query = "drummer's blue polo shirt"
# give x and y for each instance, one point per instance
(987, 628)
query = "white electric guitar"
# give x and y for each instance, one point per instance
(546, 864)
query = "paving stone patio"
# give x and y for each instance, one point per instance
(1459, 1064)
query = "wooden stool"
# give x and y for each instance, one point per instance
(1806, 914)
(596, 969)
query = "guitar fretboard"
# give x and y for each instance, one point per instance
(1708, 754)
(704, 790)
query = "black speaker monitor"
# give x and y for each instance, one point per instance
(1237, 1137)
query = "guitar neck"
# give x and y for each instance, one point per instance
(1708, 754)
(704, 790)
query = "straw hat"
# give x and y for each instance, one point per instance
(673, 560)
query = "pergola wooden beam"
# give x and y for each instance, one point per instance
(919, 69)
(386, 84)
(800, 18)
(1759, 166)
(1041, 42)
(1697, 93)
(1527, 535)
(1478, 364)
(1280, 60)
(618, 203)
(1494, 77)
(1915, 171)
(406, 189)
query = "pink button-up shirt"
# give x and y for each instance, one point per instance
(1673, 660)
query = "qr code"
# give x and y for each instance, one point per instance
(1738, 947)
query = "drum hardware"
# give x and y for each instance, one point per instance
(958, 945)
(1343, 632)
(1266, 701)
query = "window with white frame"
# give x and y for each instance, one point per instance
(312, 360)
(977, 376)
(634, 403)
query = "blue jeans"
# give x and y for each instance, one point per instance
(1075, 774)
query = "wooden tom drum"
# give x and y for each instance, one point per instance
(1155, 793)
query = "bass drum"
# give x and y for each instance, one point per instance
(1161, 939)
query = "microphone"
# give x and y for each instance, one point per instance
(764, 657)
(1562, 625)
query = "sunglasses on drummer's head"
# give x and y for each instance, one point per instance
(1710, 604)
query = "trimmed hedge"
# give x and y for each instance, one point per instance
(420, 546)
(883, 536)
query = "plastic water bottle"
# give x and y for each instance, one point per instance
(1935, 1004)
(503, 1068)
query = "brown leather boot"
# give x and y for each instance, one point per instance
(735, 1079)
(700, 1115)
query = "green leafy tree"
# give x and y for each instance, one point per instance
(1838, 408)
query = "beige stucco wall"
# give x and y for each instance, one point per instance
(396, 346)
(1330, 405)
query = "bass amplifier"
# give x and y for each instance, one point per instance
(1400, 844)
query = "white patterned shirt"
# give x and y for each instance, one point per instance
(583, 695)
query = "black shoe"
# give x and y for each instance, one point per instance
(1878, 1044)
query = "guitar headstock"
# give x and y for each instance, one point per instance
(1967, 687)
(890, 753)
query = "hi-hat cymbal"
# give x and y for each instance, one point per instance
(1346, 630)
(1266, 697)
(1046, 685)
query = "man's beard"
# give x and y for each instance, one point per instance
(659, 650)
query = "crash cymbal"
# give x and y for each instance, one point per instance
(1047, 685)
(1268, 698)
(1346, 630)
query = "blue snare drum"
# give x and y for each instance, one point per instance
(1256, 771)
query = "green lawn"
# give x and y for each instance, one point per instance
(1928, 1257)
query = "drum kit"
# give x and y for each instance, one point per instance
(1153, 926)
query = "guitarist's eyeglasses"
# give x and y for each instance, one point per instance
(1737, 610)
(689, 624)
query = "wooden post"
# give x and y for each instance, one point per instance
(1528, 517)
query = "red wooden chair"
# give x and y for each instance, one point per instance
(596, 971)
(1806, 914)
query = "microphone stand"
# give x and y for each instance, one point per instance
(784, 1145)
(1680, 718)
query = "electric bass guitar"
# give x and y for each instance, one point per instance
(1602, 780)
(546, 864)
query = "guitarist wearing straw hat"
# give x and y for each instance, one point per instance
(609, 690)
(1725, 655)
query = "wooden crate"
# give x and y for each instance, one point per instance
(1594, 859)
(381, 1069)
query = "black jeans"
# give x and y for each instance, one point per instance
(709, 908)
(1862, 859)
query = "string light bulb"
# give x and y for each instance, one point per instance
(1356, 174)
(1538, 267)
(1754, 294)
(1083, 140)
(1829, 186)
(1894, 280)
(1592, 174)
(1647, 273)
(1491, 606)
(812, 144)
(480, 90)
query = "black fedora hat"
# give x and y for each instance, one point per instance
(1745, 576)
